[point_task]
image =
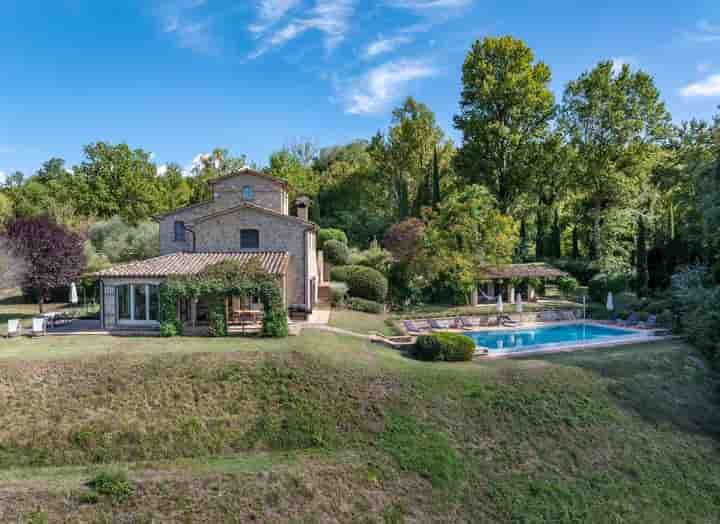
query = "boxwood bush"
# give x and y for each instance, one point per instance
(330, 234)
(450, 347)
(336, 252)
(366, 306)
(363, 282)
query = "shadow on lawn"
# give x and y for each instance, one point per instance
(663, 383)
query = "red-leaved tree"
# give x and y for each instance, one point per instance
(53, 255)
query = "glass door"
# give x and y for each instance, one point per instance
(137, 303)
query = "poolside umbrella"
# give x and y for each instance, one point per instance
(518, 303)
(73, 294)
(499, 304)
(609, 304)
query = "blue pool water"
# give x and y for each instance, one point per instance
(527, 339)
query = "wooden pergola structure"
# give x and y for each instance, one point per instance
(506, 275)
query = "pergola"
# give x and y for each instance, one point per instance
(506, 275)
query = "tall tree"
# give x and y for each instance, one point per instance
(405, 154)
(175, 187)
(641, 257)
(505, 107)
(616, 121)
(53, 256)
(117, 180)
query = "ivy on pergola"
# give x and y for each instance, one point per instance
(217, 282)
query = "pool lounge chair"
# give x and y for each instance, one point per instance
(436, 326)
(14, 328)
(466, 323)
(615, 318)
(650, 323)
(547, 316)
(411, 327)
(507, 321)
(567, 315)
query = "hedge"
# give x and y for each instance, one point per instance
(330, 234)
(366, 306)
(336, 252)
(450, 347)
(363, 282)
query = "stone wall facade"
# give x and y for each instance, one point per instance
(222, 234)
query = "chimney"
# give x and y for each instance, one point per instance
(302, 205)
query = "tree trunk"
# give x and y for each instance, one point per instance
(575, 243)
(41, 299)
(540, 235)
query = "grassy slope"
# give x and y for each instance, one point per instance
(320, 426)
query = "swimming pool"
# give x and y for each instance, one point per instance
(520, 340)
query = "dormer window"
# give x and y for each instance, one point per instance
(247, 193)
(179, 231)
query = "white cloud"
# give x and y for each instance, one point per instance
(424, 5)
(162, 169)
(183, 20)
(329, 17)
(384, 45)
(372, 92)
(270, 11)
(710, 86)
(3, 177)
(705, 33)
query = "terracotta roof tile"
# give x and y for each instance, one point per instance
(274, 262)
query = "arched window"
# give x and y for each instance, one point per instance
(179, 231)
(249, 239)
(247, 193)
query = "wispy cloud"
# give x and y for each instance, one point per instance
(705, 33)
(384, 45)
(184, 21)
(425, 5)
(375, 90)
(329, 17)
(271, 11)
(709, 86)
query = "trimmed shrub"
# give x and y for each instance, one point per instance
(338, 292)
(366, 306)
(330, 234)
(375, 257)
(627, 300)
(336, 252)
(567, 285)
(363, 282)
(450, 347)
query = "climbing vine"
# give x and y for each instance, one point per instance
(218, 282)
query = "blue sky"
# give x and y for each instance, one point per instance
(180, 77)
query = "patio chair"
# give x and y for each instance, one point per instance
(411, 327)
(567, 315)
(650, 323)
(38, 326)
(14, 328)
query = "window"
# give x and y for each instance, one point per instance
(179, 231)
(249, 239)
(137, 302)
(247, 193)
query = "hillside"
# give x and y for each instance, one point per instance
(324, 428)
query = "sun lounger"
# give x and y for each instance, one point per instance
(14, 327)
(38, 326)
(467, 324)
(547, 316)
(566, 315)
(507, 321)
(436, 326)
(411, 327)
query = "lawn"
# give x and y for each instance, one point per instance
(323, 427)
(360, 322)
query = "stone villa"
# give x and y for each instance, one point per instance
(247, 217)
